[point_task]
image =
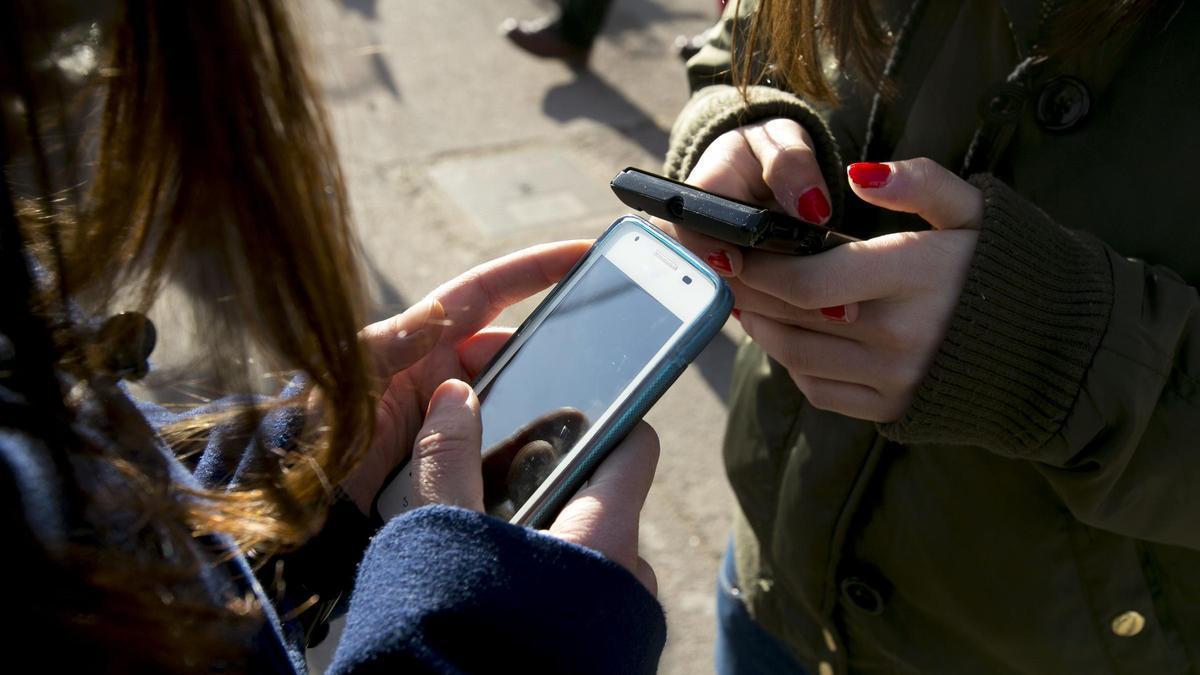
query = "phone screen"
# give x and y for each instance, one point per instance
(569, 371)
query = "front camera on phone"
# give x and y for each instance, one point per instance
(687, 280)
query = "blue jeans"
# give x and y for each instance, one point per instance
(743, 646)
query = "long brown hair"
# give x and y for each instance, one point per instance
(213, 168)
(790, 40)
(216, 165)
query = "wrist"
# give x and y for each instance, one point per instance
(1031, 315)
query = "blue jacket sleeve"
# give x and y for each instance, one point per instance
(442, 589)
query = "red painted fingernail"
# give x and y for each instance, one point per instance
(720, 262)
(836, 313)
(870, 174)
(737, 314)
(813, 206)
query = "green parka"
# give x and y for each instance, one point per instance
(1037, 509)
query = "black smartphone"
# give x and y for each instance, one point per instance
(720, 217)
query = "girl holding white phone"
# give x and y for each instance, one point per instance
(144, 539)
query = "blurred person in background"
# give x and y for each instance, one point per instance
(142, 539)
(967, 443)
(569, 35)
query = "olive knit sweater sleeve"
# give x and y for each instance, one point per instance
(1030, 317)
(1065, 353)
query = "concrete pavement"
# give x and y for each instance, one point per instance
(459, 148)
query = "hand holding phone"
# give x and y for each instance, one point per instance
(720, 217)
(586, 365)
(440, 338)
(603, 516)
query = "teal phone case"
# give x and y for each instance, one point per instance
(546, 505)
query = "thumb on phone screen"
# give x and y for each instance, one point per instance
(446, 459)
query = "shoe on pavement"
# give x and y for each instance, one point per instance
(541, 38)
(687, 47)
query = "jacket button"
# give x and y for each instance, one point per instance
(1128, 624)
(1003, 103)
(1063, 103)
(862, 594)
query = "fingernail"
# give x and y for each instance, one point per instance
(737, 314)
(836, 313)
(720, 262)
(870, 174)
(451, 394)
(813, 206)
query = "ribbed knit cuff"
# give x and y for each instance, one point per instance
(715, 110)
(1033, 310)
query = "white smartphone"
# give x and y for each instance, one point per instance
(585, 366)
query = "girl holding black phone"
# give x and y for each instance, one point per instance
(964, 444)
